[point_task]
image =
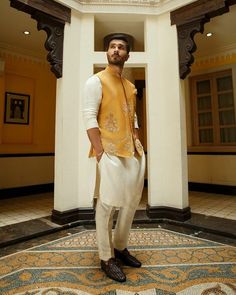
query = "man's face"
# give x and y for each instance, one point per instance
(117, 52)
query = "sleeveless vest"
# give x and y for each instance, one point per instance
(116, 114)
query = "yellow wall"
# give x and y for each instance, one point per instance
(26, 171)
(33, 77)
(211, 169)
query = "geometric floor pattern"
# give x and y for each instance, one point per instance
(172, 263)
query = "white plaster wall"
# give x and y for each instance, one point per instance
(86, 168)
(25, 171)
(167, 158)
(67, 123)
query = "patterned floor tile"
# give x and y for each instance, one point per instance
(173, 263)
(139, 238)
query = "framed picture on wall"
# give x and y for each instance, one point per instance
(16, 108)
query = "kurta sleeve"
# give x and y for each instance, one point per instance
(91, 102)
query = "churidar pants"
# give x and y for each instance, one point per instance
(121, 185)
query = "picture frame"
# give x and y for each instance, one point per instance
(17, 106)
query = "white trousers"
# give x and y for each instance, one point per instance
(121, 185)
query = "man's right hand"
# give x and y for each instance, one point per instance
(99, 156)
(95, 139)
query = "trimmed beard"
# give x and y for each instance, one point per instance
(116, 62)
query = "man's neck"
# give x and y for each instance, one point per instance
(117, 69)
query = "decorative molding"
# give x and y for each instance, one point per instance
(145, 3)
(214, 61)
(12, 52)
(190, 20)
(160, 212)
(51, 17)
(69, 216)
(136, 7)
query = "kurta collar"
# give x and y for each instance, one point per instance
(110, 70)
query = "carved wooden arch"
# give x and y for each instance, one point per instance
(51, 17)
(190, 20)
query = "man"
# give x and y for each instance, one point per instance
(111, 123)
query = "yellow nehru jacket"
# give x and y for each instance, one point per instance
(116, 114)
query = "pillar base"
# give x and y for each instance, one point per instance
(69, 216)
(168, 213)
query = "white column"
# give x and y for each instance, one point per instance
(85, 167)
(70, 139)
(167, 157)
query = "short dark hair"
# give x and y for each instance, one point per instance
(117, 36)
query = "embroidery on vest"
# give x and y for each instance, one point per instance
(111, 124)
(126, 108)
(111, 148)
(128, 147)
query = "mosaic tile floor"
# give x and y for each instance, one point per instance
(173, 263)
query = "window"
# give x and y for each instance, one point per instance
(213, 111)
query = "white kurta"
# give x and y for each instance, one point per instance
(121, 180)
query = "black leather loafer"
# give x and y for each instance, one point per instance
(126, 258)
(113, 270)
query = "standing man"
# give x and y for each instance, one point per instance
(111, 123)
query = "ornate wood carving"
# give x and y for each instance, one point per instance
(190, 20)
(50, 7)
(196, 9)
(54, 42)
(50, 17)
(187, 45)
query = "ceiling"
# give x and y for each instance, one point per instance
(14, 22)
(12, 25)
(223, 38)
